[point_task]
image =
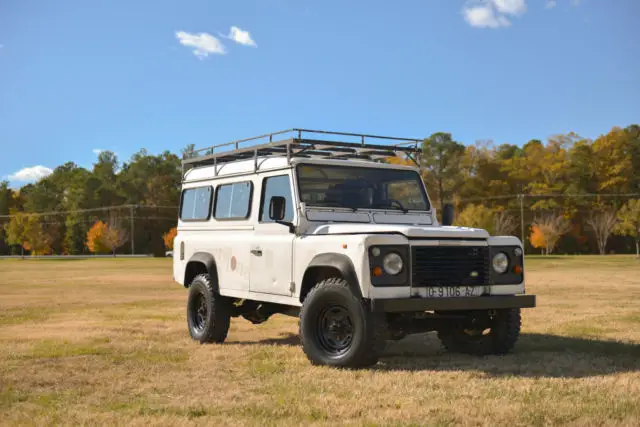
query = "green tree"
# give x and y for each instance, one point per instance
(613, 162)
(16, 229)
(105, 172)
(481, 173)
(39, 237)
(28, 232)
(188, 151)
(6, 197)
(154, 183)
(6, 194)
(629, 222)
(633, 141)
(476, 216)
(441, 157)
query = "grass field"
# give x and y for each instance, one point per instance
(105, 341)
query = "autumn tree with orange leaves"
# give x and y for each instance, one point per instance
(103, 238)
(537, 238)
(168, 238)
(94, 238)
(547, 231)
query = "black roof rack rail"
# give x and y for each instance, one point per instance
(303, 143)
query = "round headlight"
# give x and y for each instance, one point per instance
(392, 264)
(500, 263)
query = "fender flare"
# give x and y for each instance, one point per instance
(343, 264)
(209, 263)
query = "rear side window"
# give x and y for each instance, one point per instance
(196, 204)
(233, 200)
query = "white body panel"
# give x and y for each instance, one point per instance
(265, 262)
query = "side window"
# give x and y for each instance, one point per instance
(276, 186)
(233, 200)
(196, 204)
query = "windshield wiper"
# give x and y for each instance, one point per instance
(391, 205)
(399, 208)
(339, 205)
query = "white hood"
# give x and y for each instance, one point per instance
(410, 231)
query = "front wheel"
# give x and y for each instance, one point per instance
(493, 332)
(337, 328)
(208, 313)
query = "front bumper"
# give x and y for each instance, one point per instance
(397, 305)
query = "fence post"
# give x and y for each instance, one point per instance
(521, 197)
(133, 234)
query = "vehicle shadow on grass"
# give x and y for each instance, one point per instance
(535, 355)
(288, 340)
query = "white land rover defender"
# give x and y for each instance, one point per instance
(304, 224)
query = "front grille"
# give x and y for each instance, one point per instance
(450, 265)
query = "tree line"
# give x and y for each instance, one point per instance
(149, 183)
(572, 194)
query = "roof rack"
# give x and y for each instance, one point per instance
(303, 143)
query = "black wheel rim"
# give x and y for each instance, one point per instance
(199, 312)
(334, 330)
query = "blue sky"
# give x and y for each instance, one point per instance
(78, 76)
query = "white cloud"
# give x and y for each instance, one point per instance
(484, 17)
(203, 43)
(97, 151)
(31, 174)
(576, 3)
(510, 7)
(551, 4)
(241, 37)
(492, 13)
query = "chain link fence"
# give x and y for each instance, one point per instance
(141, 229)
(548, 223)
(562, 224)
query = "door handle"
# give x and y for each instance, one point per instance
(256, 252)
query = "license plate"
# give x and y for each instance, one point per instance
(454, 291)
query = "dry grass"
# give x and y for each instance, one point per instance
(105, 342)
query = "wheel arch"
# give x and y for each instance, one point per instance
(327, 265)
(200, 263)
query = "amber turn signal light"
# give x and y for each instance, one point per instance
(377, 271)
(517, 269)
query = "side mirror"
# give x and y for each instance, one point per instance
(277, 206)
(447, 214)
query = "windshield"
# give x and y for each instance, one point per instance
(358, 187)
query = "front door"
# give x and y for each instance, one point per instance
(271, 250)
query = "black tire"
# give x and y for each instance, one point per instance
(208, 313)
(337, 328)
(498, 338)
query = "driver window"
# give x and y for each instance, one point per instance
(276, 186)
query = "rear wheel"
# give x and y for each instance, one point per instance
(492, 332)
(338, 329)
(208, 313)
